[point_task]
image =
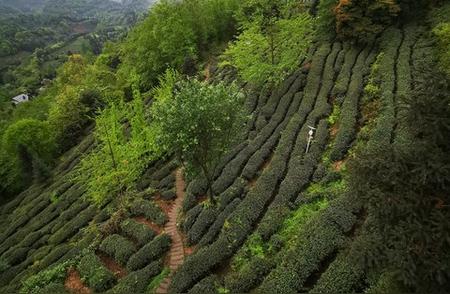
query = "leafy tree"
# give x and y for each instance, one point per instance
(442, 33)
(198, 122)
(173, 35)
(326, 17)
(405, 189)
(270, 49)
(28, 145)
(363, 20)
(123, 150)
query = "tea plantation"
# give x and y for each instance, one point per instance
(333, 218)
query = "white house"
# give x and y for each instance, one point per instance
(20, 99)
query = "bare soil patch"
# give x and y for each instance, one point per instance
(112, 265)
(157, 229)
(74, 284)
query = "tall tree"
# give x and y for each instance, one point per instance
(198, 122)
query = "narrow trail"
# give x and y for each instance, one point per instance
(176, 253)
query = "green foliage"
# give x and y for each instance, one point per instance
(334, 116)
(27, 151)
(270, 51)
(363, 20)
(442, 33)
(410, 182)
(139, 232)
(174, 35)
(3, 265)
(93, 272)
(118, 159)
(148, 209)
(157, 280)
(326, 22)
(55, 274)
(198, 122)
(150, 252)
(137, 281)
(118, 247)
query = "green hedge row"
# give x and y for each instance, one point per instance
(301, 168)
(348, 119)
(141, 233)
(137, 281)
(191, 217)
(150, 252)
(73, 226)
(404, 83)
(324, 234)
(382, 132)
(271, 106)
(70, 214)
(207, 285)
(217, 225)
(255, 162)
(237, 190)
(228, 157)
(149, 210)
(118, 247)
(167, 183)
(94, 273)
(249, 276)
(241, 221)
(234, 168)
(205, 219)
(146, 179)
(169, 194)
(165, 171)
(343, 79)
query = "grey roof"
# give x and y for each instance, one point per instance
(20, 98)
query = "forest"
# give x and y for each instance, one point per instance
(225, 146)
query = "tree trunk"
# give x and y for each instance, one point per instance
(209, 191)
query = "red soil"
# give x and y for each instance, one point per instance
(166, 206)
(337, 166)
(334, 130)
(112, 265)
(74, 284)
(157, 229)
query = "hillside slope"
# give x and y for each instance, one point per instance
(285, 219)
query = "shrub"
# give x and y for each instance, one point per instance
(139, 232)
(215, 228)
(363, 20)
(55, 274)
(201, 225)
(207, 285)
(343, 79)
(240, 222)
(3, 265)
(72, 227)
(16, 256)
(149, 210)
(93, 272)
(322, 237)
(191, 217)
(169, 195)
(118, 247)
(167, 182)
(56, 254)
(150, 252)
(349, 111)
(137, 281)
(249, 276)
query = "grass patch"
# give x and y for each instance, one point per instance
(157, 280)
